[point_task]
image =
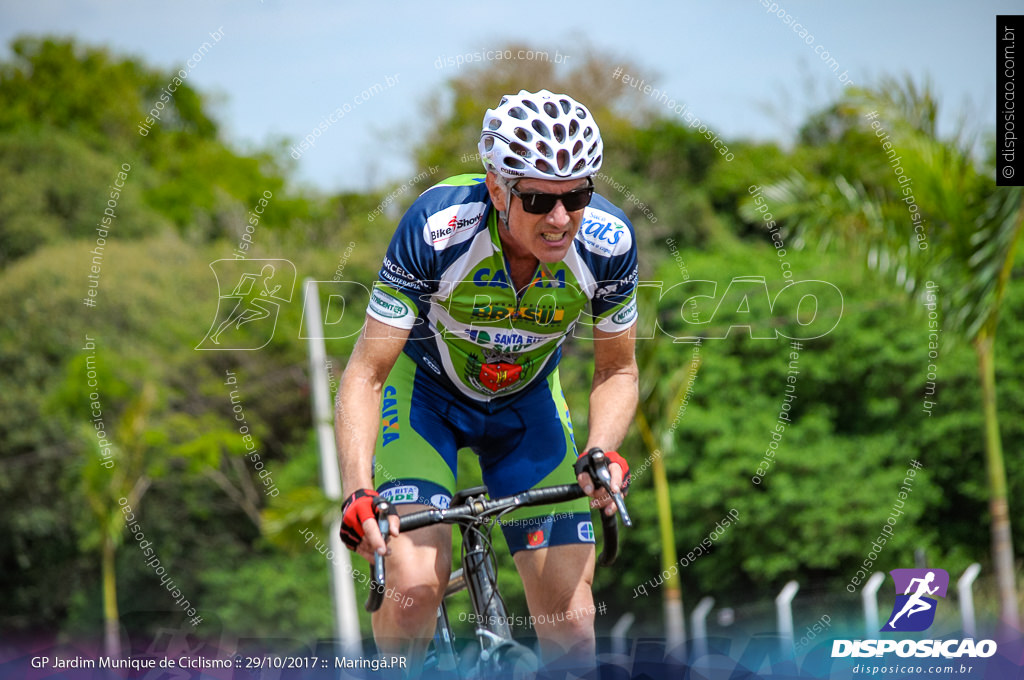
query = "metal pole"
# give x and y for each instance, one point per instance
(784, 615)
(869, 596)
(964, 590)
(346, 618)
(698, 620)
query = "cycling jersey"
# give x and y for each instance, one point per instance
(446, 279)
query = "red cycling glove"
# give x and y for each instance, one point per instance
(358, 508)
(583, 464)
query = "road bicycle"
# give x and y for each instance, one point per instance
(497, 654)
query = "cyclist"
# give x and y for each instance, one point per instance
(483, 280)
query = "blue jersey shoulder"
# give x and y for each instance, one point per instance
(439, 225)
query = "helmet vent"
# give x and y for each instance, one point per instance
(519, 150)
(563, 160)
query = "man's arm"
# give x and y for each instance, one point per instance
(613, 400)
(357, 415)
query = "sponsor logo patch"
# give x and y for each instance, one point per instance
(626, 314)
(387, 305)
(401, 494)
(389, 415)
(604, 234)
(447, 228)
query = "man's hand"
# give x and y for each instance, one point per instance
(619, 471)
(359, 529)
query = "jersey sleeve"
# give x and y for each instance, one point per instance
(614, 302)
(407, 277)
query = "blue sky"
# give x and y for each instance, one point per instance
(282, 67)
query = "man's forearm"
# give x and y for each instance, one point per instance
(613, 401)
(355, 430)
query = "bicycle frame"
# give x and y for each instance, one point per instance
(478, 577)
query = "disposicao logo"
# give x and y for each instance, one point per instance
(914, 611)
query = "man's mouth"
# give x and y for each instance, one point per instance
(553, 237)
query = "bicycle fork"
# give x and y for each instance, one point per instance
(492, 628)
(492, 620)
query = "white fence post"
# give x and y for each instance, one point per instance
(964, 590)
(784, 615)
(698, 621)
(619, 633)
(869, 596)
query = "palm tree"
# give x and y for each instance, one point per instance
(923, 212)
(657, 417)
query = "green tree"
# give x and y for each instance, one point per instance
(964, 237)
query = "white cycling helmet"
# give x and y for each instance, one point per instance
(540, 135)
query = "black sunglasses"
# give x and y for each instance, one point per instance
(541, 204)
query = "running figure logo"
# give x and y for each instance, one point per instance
(916, 611)
(251, 301)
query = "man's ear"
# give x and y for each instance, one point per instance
(498, 196)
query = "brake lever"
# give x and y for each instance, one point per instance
(604, 478)
(377, 583)
(384, 526)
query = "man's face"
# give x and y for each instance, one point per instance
(546, 237)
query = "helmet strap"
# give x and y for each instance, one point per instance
(504, 214)
(506, 186)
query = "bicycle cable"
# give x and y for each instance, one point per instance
(485, 538)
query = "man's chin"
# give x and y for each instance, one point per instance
(551, 255)
(548, 253)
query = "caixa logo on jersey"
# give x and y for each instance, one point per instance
(389, 415)
(452, 226)
(914, 611)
